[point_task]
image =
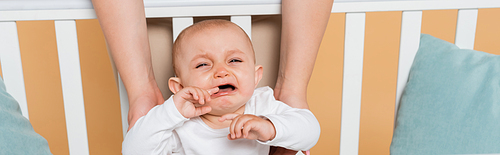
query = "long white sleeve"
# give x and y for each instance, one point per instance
(296, 129)
(163, 129)
(154, 133)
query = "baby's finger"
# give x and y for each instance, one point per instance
(232, 128)
(246, 129)
(229, 137)
(202, 110)
(206, 95)
(194, 93)
(213, 90)
(230, 116)
(239, 124)
(201, 96)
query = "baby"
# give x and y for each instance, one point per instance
(215, 108)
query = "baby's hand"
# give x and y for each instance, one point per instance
(190, 101)
(249, 127)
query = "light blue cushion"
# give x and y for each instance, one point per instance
(451, 103)
(17, 136)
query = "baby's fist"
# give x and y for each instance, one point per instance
(190, 101)
(250, 127)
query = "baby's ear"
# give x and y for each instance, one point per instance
(258, 74)
(174, 83)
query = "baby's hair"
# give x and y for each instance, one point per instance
(206, 24)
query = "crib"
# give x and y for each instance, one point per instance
(55, 64)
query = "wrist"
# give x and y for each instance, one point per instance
(142, 100)
(295, 99)
(272, 134)
(146, 89)
(178, 104)
(139, 107)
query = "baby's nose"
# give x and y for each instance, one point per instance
(221, 72)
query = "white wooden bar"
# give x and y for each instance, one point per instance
(410, 41)
(222, 10)
(124, 105)
(245, 22)
(353, 74)
(412, 5)
(71, 80)
(179, 24)
(257, 9)
(12, 69)
(152, 12)
(466, 28)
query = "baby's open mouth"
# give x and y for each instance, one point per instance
(226, 88)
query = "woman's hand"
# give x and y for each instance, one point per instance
(141, 104)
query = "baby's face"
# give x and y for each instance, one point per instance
(219, 57)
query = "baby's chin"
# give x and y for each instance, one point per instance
(222, 110)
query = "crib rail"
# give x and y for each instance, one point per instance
(354, 52)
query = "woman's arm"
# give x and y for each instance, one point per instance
(123, 23)
(304, 23)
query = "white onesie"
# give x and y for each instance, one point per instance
(165, 131)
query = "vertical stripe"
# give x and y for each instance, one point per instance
(324, 93)
(12, 70)
(179, 24)
(380, 66)
(410, 40)
(466, 28)
(37, 41)
(67, 47)
(488, 31)
(440, 24)
(100, 92)
(245, 22)
(352, 79)
(123, 105)
(1, 74)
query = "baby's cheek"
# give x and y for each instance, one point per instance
(247, 94)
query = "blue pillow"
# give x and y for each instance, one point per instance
(16, 133)
(451, 103)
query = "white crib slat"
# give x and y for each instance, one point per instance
(466, 28)
(12, 69)
(71, 80)
(410, 40)
(353, 74)
(124, 105)
(245, 22)
(179, 24)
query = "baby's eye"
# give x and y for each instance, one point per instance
(235, 60)
(200, 65)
